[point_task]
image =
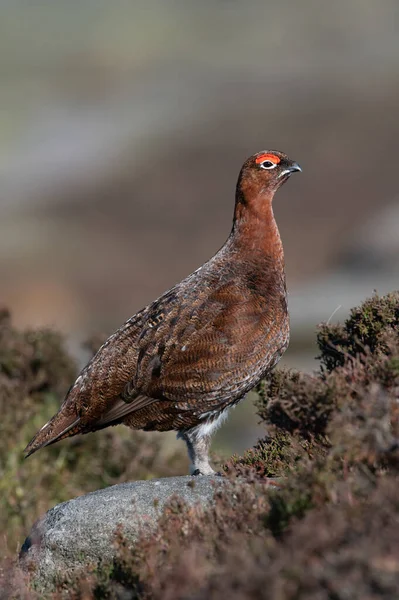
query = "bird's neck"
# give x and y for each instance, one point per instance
(255, 229)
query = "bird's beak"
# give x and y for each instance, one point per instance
(291, 168)
(294, 167)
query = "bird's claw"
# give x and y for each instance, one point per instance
(214, 474)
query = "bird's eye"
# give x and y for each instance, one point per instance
(268, 164)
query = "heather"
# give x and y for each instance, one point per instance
(329, 529)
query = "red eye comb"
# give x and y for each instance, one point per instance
(272, 157)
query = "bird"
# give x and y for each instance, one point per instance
(184, 360)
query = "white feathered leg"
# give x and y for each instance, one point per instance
(198, 440)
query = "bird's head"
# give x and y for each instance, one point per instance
(265, 172)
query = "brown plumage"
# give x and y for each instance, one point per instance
(197, 350)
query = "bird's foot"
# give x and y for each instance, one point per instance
(210, 472)
(196, 473)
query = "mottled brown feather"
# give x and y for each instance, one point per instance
(202, 345)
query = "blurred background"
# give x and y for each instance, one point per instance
(123, 126)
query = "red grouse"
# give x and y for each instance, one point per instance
(187, 357)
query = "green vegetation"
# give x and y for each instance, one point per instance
(331, 528)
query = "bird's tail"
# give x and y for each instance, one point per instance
(58, 428)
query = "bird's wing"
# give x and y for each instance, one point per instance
(194, 343)
(202, 348)
(198, 343)
(103, 392)
(121, 408)
(96, 399)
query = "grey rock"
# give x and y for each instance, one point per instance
(80, 532)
